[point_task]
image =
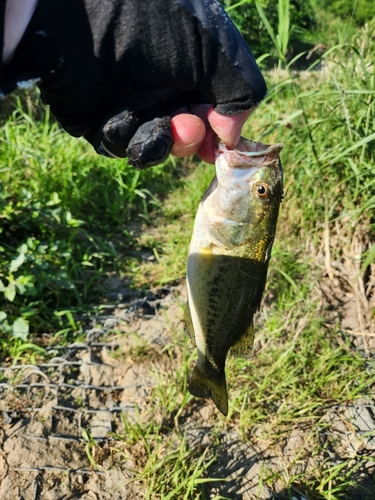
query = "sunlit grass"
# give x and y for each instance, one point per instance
(65, 214)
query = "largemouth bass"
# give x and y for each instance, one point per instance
(228, 259)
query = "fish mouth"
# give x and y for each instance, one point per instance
(249, 153)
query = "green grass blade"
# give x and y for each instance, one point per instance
(355, 146)
(269, 29)
(236, 5)
(283, 26)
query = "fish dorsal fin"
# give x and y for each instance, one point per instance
(188, 323)
(244, 346)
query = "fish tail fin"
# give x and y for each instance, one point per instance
(244, 346)
(203, 385)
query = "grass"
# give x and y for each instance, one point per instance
(170, 467)
(65, 215)
(68, 220)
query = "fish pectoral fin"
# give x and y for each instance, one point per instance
(204, 385)
(244, 346)
(188, 323)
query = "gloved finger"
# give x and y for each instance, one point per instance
(145, 145)
(151, 143)
(114, 136)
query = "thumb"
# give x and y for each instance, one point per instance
(228, 128)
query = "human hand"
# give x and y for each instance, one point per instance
(142, 79)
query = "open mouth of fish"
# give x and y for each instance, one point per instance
(248, 154)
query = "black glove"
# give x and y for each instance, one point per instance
(114, 70)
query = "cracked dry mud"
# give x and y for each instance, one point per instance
(89, 385)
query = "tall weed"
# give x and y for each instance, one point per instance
(325, 117)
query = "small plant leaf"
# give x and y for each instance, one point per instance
(18, 261)
(10, 291)
(20, 329)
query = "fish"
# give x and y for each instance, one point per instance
(228, 258)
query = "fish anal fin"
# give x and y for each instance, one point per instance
(204, 385)
(244, 346)
(188, 323)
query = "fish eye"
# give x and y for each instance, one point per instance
(262, 190)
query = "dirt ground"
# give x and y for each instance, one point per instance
(46, 408)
